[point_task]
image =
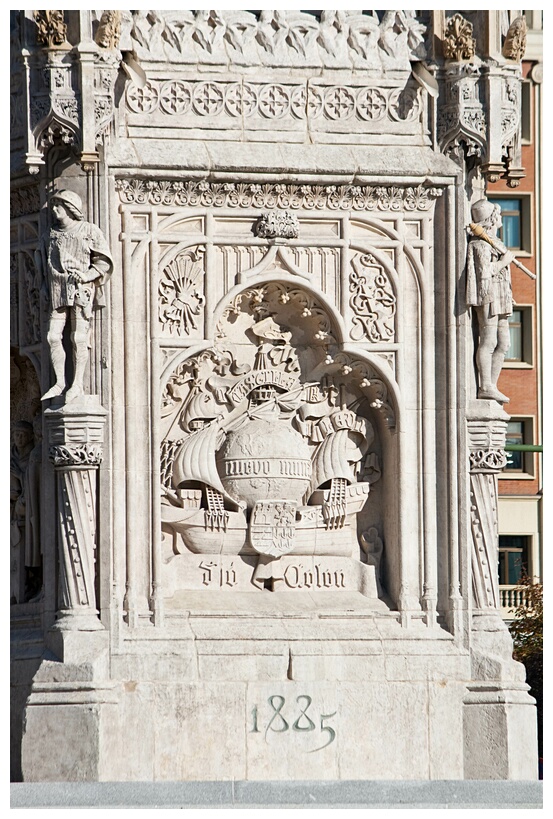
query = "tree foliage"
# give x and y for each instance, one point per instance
(527, 632)
(527, 626)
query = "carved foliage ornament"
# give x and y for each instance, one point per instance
(109, 30)
(515, 41)
(24, 201)
(308, 197)
(486, 460)
(458, 43)
(372, 300)
(51, 28)
(85, 455)
(277, 224)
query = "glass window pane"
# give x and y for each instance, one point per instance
(514, 353)
(515, 567)
(511, 231)
(515, 435)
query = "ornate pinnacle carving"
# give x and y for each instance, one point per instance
(277, 224)
(458, 43)
(51, 28)
(109, 30)
(515, 41)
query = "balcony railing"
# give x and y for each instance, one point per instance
(512, 596)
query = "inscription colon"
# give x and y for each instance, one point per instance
(296, 577)
(278, 722)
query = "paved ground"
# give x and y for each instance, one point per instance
(353, 794)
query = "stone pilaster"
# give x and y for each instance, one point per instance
(75, 439)
(498, 714)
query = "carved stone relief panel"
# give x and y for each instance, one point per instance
(268, 447)
(181, 299)
(257, 325)
(372, 300)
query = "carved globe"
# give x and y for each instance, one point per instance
(265, 460)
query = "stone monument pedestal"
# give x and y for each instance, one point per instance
(269, 534)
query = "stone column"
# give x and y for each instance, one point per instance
(499, 716)
(75, 439)
(487, 426)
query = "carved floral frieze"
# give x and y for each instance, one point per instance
(274, 101)
(308, 197)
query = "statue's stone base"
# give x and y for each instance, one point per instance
(320, 693)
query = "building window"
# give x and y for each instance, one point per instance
(513, 559)
(515, 232)
(519, 431)
(526, 111)
(520, 331)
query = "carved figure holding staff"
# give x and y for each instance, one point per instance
(75, 261)
(489, 292)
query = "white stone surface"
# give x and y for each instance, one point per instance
(280, 561)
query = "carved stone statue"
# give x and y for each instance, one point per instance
(489, 292)
(75, 261)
